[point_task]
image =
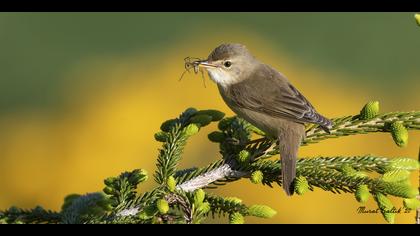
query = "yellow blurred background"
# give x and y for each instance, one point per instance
(83, 93)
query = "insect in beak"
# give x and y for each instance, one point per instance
(191, 62)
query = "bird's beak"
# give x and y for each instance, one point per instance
(206, 64)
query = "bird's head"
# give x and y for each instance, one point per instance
(229, 63)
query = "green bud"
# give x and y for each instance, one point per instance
(399, 133)
(370, 110)
(167, 125)
(234, 200)
(348, 170)
(191, 129)
(201, 120)
(362, 193)
(225, 123)
(217, 136)
(411, 204)
(385, 205)
(144, 175)
(204, 207)
(110, 181)
(171, 183)
(389, 217)
(215, 114)
(401, 189)
(383, 201)
(395, 175)
(161, 136)
(301, 185)
(257, 177)
(261, 211)
(243, 156)
(162, 205)
(417, 17)
(236, 218)
(199, 196)
(108, 190)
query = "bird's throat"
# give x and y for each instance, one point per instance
(221, 77)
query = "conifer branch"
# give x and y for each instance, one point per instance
(352, 125)
(15, 215)
(179, 196)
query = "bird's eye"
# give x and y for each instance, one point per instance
(227, 64)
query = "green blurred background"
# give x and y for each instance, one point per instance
(81, 95)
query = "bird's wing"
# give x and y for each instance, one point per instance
(275, 96)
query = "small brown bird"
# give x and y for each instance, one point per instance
(265, 98)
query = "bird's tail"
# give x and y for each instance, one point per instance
(288, 168)
(289, 143)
